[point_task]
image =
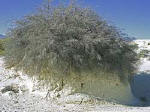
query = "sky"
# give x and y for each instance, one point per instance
(131, 16)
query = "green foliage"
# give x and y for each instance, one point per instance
(144, 53)
(57, 40)
(2, 45)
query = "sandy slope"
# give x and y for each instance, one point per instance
(30, 98)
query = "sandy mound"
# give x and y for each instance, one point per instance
(111, 89)
(31, 98)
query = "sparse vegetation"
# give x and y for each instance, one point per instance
(2, 45)
(144, 53)
(64, 39)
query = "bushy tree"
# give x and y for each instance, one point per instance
(68, 38)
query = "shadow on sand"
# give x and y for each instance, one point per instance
(141, 88)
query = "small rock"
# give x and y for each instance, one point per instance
(24, 88)
(14, 88)
(15, 102)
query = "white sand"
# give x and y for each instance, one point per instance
(145, 62)
(143, 44)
